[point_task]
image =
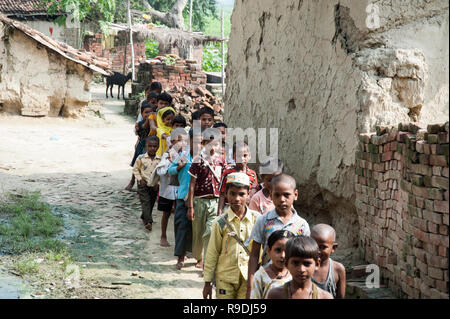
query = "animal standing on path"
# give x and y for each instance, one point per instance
(118, 79)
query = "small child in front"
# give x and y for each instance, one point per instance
(227, 253)
(274, 274)
(331, 274)
(143, 170)
(283, 217)
(262, 201)
(302, 260)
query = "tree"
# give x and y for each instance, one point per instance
(174, 12)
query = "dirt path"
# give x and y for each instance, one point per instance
(81, 167)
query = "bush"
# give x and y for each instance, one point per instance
(151, 49)
(212, 59)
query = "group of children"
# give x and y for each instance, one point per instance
(247, 238)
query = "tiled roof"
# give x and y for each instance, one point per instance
(10, 7)
(82, 57)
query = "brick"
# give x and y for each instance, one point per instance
(421, 169)
(437, 262)
(443, 230)
(432, 227)
(438, 160)
(445, 171)
(441, 206)
(438, 240)
(432, 216)
(443, 251)
(435, 273)
(435, 193)
(421, 235)
(427, 149)
(441, 286)
(438, 181)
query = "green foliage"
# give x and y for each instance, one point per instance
(212, 59)
(28, 224)
(151, 49)
(169, 60)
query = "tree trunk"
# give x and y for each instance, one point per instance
(173, 18)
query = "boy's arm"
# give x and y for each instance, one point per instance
(137, 170)
(340, 285)
(276, 293)
(221, 204)
(173, 168)
(252, 266)
(190, 199)
(212, 255)
(162, 170)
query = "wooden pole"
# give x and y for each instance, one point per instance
(223, 54)
(190, 15)
(131, 40)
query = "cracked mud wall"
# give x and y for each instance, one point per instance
(316, 71)
(36, 81)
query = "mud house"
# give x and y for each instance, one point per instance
(40, 76)
(34, 14)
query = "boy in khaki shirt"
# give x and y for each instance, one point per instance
(144, 172)
(227, 254)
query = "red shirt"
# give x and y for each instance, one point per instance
(206, 184)
(233, 169)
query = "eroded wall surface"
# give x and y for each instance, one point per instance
(324, 71)
(35, 81)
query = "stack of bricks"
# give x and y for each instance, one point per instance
(185, 73)
(402, 200)
(115, 55)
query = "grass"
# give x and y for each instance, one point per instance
(28, 224)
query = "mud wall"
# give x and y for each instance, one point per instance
(402, 200)
(35, 81)
(324, 71)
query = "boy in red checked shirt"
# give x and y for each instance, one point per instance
(241, 156)
(203, 194)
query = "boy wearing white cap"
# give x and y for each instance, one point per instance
(229, 245)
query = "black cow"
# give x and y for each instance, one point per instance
(118, 79)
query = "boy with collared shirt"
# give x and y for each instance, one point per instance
(227, 253)
(283, 217)
(203, 195)
(143, 170)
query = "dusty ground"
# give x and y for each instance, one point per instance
(81, 167)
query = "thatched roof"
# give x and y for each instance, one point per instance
(167, 35)
(87, 59)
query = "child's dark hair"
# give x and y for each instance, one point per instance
(239, 145)
(284, 178)
(180, 120)
(302, 247)
(195, 115)
(237, 185)
(165, 97)
(277, 235)
(220, 124)
(155, 86)
(167, 113)
(152, 95)
(191, 133)
(146, 106)
(269, 167)
(152, 138)
(205, 110)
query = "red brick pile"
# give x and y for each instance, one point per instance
(186, 73)
(188, 101)
(402, 200)
(115, 55)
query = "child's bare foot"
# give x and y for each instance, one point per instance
(180, 262)
(129, 187)
(164, 242)
(148, 226)
(199, 264)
